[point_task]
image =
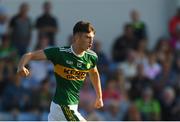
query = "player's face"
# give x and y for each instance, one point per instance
(86, 40)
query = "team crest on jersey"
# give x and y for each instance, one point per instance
(69, 62)
(88, 65)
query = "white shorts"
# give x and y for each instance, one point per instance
(64, 113)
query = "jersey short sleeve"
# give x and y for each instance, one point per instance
(93, 58)
(51, 54)
(94, 61)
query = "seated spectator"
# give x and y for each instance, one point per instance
(34, 81)
(7, 51)
(132, 114)
(176, 65)
(86, 94)
(113, 111)
(129, 66)
(45, 95)
(111, 91)
(151, 67)
(167, 77)
(15, 96)
(8, 61)
(6, 74)
(141, 51)
(123, 85)
(177, 84)
(42, 43)
(138, 83)
(148, 106)
(91, 113)
(163, 50)
(170, 105)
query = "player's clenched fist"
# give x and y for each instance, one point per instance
(98, 103)
(24, 72)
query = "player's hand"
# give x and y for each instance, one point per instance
(98, 103)
(23, 71)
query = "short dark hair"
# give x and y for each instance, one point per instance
(83, 26)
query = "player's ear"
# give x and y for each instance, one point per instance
(76, 36)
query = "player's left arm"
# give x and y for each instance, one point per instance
(95, 79)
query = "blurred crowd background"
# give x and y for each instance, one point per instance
(138, 83)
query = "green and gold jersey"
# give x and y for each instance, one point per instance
(70, 71)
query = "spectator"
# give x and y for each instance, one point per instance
(113, 112)
(3, 20)
(163, 50)
(111, 91)
(20, 29)
(91, 114)
(15, 96)
(174, 22)
(45, 95)
(7, 51)
(47, 23)
(177, 71)
(123, 43)
(175, 41)
(141, 51)
(167, 77)
(129, 66)
(122, 84)
(8, 59)
(42, 43)
(86, 96)
(148, 106)
(138, 25)
(132, 114)
(138, 82)
(169, 104)
(35, 79)
(103, 62)
(176, 65)
(151, 67)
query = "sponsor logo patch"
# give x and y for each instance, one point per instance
(70, 73)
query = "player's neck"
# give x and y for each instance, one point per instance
(78, 52)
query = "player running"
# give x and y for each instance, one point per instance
(71, 64)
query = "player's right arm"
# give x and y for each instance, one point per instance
(36, 55)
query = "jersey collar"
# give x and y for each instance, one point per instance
(76, 54)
